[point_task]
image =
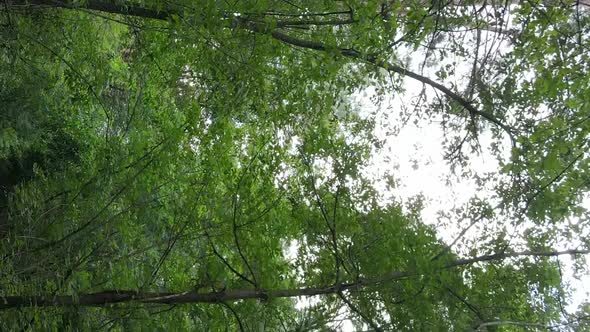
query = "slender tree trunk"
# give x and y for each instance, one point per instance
(106, 6)
(120, 296)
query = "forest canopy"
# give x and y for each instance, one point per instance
(203, 165)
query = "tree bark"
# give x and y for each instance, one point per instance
(120, 296)
(106, 6)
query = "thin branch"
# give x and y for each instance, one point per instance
(447, 248)
(356, 310)
(226, 263)
(98, 214)
(234, 219)
(513, 323)
(527, 253)
(351, 53)
(235, 315)
(171, 243)
(553, 180)
(264, 212)
(270, 13)
(76, 72)
(325, 217)
(463, 300)
(289, 23)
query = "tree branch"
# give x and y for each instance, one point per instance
(288, 23)
(513, 323)
(356, 310)
(119, 296)
(227, 264)
(351, 53)
(504, 255)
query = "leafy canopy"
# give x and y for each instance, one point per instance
(182, 166)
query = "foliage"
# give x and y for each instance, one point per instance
(168, 166)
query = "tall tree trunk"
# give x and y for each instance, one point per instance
(120, 296)
(106, 6)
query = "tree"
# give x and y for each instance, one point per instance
(161, 155)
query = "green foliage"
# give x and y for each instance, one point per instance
(202, 153)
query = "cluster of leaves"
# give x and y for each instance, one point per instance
(167, 149)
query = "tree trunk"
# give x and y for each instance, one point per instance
(119, 296)
(106, 6)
